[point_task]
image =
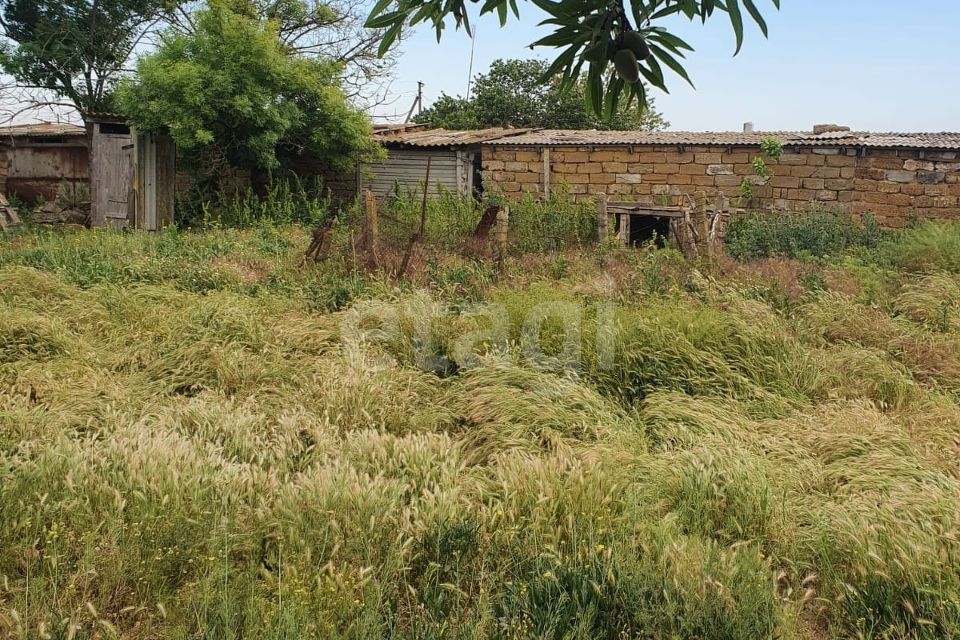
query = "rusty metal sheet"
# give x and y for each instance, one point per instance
(42, 129)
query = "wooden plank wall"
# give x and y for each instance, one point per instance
(166, 179)
(155, 183)
(3, 169)
(407, 167)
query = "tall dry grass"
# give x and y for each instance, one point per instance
(256, 454)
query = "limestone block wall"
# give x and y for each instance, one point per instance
(890, 184)
(895, 185)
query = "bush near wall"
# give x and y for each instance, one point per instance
(815, 234)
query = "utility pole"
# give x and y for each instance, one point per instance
(417, 102)
(473, 43)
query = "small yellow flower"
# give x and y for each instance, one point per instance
(600, 548)
(547, 574)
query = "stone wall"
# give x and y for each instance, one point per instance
(893, 185)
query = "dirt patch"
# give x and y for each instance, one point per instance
(247, 271)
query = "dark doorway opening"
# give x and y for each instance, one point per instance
(645, 229)
(477, 176)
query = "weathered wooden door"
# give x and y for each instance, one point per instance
(112, 174)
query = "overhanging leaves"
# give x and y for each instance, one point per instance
(589, 32)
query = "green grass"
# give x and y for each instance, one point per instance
(200, 437)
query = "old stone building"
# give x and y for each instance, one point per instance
(892, 176)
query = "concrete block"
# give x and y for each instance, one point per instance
(720, 170)
(931, 177)
(901, 176)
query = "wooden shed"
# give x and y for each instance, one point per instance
(132, 176)
(454, 158)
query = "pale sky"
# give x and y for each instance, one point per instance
(879, 65)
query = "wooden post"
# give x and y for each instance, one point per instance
(460, 177)
(603, 219)
(418, 234)
(546, 173)
(625, 229)
(503, 225)
(358, 179)
(702, 225)
(371, 229)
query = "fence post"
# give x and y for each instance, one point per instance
(625, 229)
(371, 229)
(603, 219)
(503, 225)
(546, 173)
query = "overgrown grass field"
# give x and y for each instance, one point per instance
(202, 438)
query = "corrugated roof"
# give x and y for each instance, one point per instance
(105, 116)
(395, 127)
(563, 137)
(42, 129)
(946, 140)
(444, 137)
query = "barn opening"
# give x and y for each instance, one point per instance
(643, 228)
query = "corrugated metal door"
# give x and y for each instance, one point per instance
(404, 170)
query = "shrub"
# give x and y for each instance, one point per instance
(450, 217)
(552, 225)
(929, 246)
(285, 202)
(817, 233)
(334, 292)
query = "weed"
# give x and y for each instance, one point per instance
(816, 233)
(200, 436)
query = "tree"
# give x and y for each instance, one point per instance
(231, 93)
(596, 33)
(452, 113)
(322, 29)
(75, 50)
(513, 93)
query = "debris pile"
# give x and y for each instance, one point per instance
(8, 215)
(62, 213)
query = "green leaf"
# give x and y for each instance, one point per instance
(385, 20)
(379, 7)
(389, 37)
(593, 93)
(565, 59)
(736, 19)
(670, 41)
(757, 17)
(653, 73)
(671, 62)
(556, 9)
(502, 13)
